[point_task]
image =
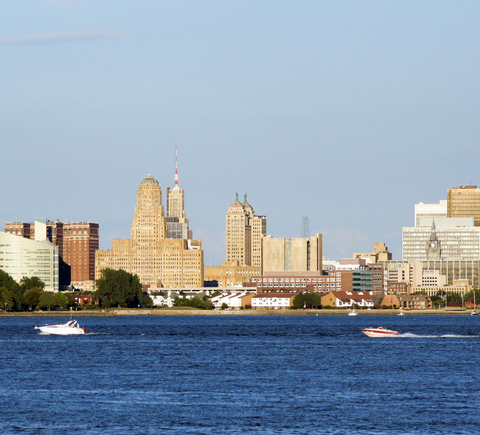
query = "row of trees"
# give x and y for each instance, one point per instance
(29, 294)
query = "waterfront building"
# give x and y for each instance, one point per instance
(348, 299)
(296, 254)
(273, 301)
(22, 257)
(244, 234)
(77, 243)
(432, 211)
(150, 254)
(304, 281)
(235, 300)
(464, 201)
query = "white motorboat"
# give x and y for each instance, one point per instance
(380, 332)
(401, 313)
(70, 328)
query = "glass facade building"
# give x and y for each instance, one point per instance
(20, 257)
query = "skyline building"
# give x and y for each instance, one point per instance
(296, 254)
(177, 222)
(423, 210)
(77, 243)
(464, 201)
(244, 233)
(442, 239)
(150, 253)
(25, 257)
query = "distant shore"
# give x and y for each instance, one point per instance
(196, 312)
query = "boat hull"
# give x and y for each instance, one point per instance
(69, 328)
(380, 332)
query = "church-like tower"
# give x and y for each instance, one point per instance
(433, 248)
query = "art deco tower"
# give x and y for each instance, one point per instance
(177, 222)
(149, 218)
(150, 253)
(244, 234)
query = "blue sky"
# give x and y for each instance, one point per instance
(348, 112)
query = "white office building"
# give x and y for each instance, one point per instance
(21, 257)
(442, 239)
(434, 211)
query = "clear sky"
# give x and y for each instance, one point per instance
(348, 112)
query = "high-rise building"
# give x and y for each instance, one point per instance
(442, 239)
(150, 253)
(435, 211)
(22, 257)
(80, 241)
(464, 201)
(244, 233)
(298, 254)
(77, 243)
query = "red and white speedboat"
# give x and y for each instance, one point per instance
(379, 332)
(70, 328)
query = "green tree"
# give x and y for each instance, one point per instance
(28, 283)
(61, 301)
(145, 300)
(118, 288)
(6, 299)
(32, 297)
(47, 301)
(307, 300)
(7, 281)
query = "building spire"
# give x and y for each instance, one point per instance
(176, 166)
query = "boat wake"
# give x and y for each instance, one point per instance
(409, 335)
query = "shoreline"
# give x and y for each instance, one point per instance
(195, 312)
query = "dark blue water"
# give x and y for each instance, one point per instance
(242, 374)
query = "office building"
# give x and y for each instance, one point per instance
(22, 257)
(434, 211)
(77, 243)
(244, 233)
(464, 201)
(296, 254)
(150, 253)
(442, 239)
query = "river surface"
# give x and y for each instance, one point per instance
(241, 374)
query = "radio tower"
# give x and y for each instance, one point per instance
(305, 227)
(176, 167)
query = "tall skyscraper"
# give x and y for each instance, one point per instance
(464, 201)
(177, 222)
(244, 233)
(150, 253)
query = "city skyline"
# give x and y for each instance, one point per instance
(382, 98)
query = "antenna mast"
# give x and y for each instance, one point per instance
(305, 227)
